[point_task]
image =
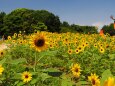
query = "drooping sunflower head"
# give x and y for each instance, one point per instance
(39, 42)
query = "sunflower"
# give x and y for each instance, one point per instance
(15, 34)
(80, 48)
(102, 50)
(39, 42)
(9, 38)
(1, 69)
(76, 70)
(95, 45)
(69, 51)
(1, 53)
(13, 41)
(86, 43)
(19, 35)
(109, 82)
(94, 80)
(77, 51)
(26, 76)
(21, 42)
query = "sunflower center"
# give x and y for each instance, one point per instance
(1, 53)
(76, 70)
(40, 42)
(76, 50)
(79, 48)
(93, 81)
(101, 49)
(70, 51)
(26, 76)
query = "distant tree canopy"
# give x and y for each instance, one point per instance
(109, 29)
(2, 15)
(29, 20)
(65, 27)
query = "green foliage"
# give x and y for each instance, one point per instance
(109, 29)
(2, 15)
(65, 27)
(105, 75)
(28, 20)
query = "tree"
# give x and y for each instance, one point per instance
(109, 29)
(28, 20)
(65, 24)
(2, 14)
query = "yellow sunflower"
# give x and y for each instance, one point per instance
(69, 51)
(109, 82)
(76, 70)
(15, 34)
(102, 50)
(77, 51)
(13, 41)
(19, 35)
(95, 45)
(39, 42)
(21, 42)
(9, 38)
(1, 53)
(83, 45)
(94, 80)
(1, 69)
(26, 76)
(80, 48)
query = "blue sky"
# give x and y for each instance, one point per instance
(81, 12)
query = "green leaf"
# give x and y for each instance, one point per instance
(17, 61)
(105, 75)
(50, 70)
(80, 83)
(65, 55)
(111, 56)
(20, 84)
(33, 81)
(16, 83)
(48, 53)
(17, 76)
(0, 81)
(66, 82)
(2, 61)
(44, 76)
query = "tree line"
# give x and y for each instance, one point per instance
(28, 20)
(109, 29)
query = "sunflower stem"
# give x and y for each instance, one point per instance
(40, 58)
(35, 63)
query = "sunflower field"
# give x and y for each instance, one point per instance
(57, 59)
